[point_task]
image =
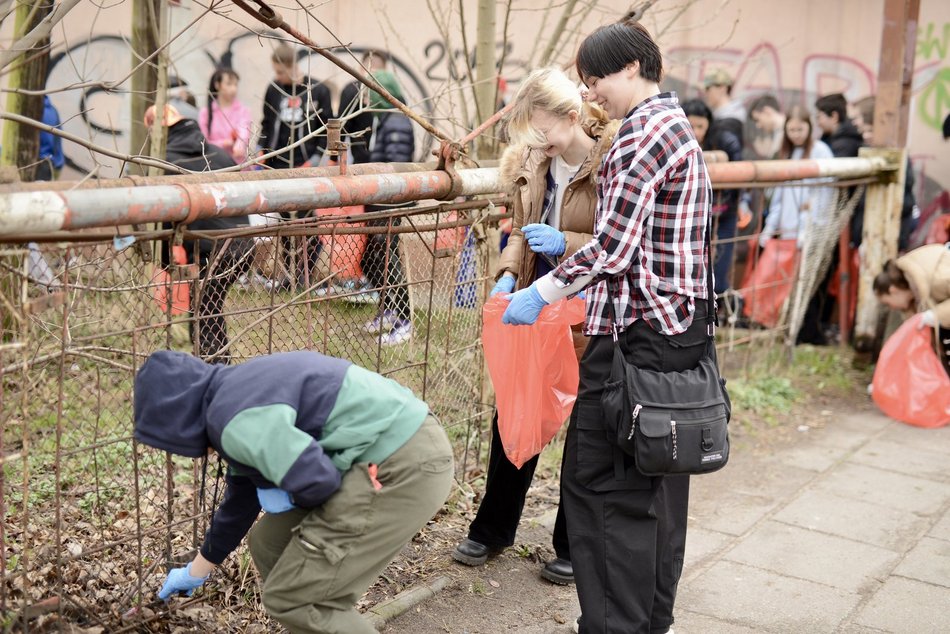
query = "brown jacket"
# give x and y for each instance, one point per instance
(927, 269)
(524, 171)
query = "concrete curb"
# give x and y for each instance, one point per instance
(402, 602)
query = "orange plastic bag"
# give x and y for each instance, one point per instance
(534, 371)
(771, 282)
(180, 291)
(910, 383)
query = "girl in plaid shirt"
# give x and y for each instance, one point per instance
(645, 275)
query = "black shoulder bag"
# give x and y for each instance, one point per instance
(672, 423)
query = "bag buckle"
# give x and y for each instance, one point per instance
(708, 443)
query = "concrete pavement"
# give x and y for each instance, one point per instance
(848, 531)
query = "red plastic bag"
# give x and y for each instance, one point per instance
(180, 291)
(534, 371)
(771, 282)
(910, 383)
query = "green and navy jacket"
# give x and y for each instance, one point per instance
(296, 420)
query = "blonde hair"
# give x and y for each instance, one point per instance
(283, 55)
(550, 90)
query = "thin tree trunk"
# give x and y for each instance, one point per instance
(486, 76)
(145, 40)
(21, 142)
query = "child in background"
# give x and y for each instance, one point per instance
(225, 121)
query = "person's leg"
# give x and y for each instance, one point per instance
(670, 506)
(506, 487)
(608, 510)
(339, 548)
(725, 232)
(218, 274)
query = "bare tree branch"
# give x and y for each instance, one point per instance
(558, 31)
(42, 30)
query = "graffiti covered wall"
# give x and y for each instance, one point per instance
(796, 50)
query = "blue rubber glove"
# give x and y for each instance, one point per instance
(505, 284)
(180, 580)
(544, 239)
(274, 500)
(525, 307)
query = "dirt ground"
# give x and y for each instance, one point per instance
(508, 594)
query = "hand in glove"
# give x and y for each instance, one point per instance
(544, 239)
(180, 580)
(274, 500)
(928, 318)
(525, 307)
(505, 284)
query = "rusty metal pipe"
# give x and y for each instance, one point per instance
(46, 211)
(788, 170)
(219, 177)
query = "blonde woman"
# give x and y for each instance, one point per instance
(551, 167)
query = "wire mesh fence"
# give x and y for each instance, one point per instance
(90, 519)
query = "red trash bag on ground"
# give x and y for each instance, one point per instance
(910, 383)
(534, 372)
(770, 283)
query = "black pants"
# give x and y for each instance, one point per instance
(944, 348)
(506, 486)
(383, 268)
(627, 531)
(209, 330)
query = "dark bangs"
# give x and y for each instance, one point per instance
(613, 47)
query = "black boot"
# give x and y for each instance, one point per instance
(559, 571)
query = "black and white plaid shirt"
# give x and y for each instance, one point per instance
(654, 206)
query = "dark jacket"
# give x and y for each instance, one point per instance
(291, 112)
(296, 421)
(188, 148)
(725, 135)
(51, 146)
(358, 129)
(845, 141)
(393, 140)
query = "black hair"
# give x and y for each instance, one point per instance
(697, 108)
(891, 275)
(613, 47)
(833, 103)
(946, 128)
(765, 101)
(216, 77)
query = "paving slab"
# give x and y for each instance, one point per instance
(886, 488)
(804, 554)
(895, 456)
(747, 490)
(929, 561)
(703, 544)
(906, 605)
(687, 621)
(882, 526)
(910, 436)
(765, 601)
(941, 529)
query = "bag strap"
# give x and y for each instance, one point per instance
(710, 293)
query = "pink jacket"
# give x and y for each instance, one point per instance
(230, 128)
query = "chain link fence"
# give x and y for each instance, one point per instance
(91, 520)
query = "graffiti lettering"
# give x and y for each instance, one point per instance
(930, 44)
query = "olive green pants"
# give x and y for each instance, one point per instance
(316, 564)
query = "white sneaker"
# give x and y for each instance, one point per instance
(401, 332)
(381, 322)
(577, 625)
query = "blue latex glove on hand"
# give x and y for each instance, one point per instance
(525, 307)
(274, 500)
(180, 580)
(505, 284)
(544, 239)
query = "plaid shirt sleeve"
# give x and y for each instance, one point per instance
(650, 225)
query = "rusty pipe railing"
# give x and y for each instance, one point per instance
(42, 211)
(45, 211)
